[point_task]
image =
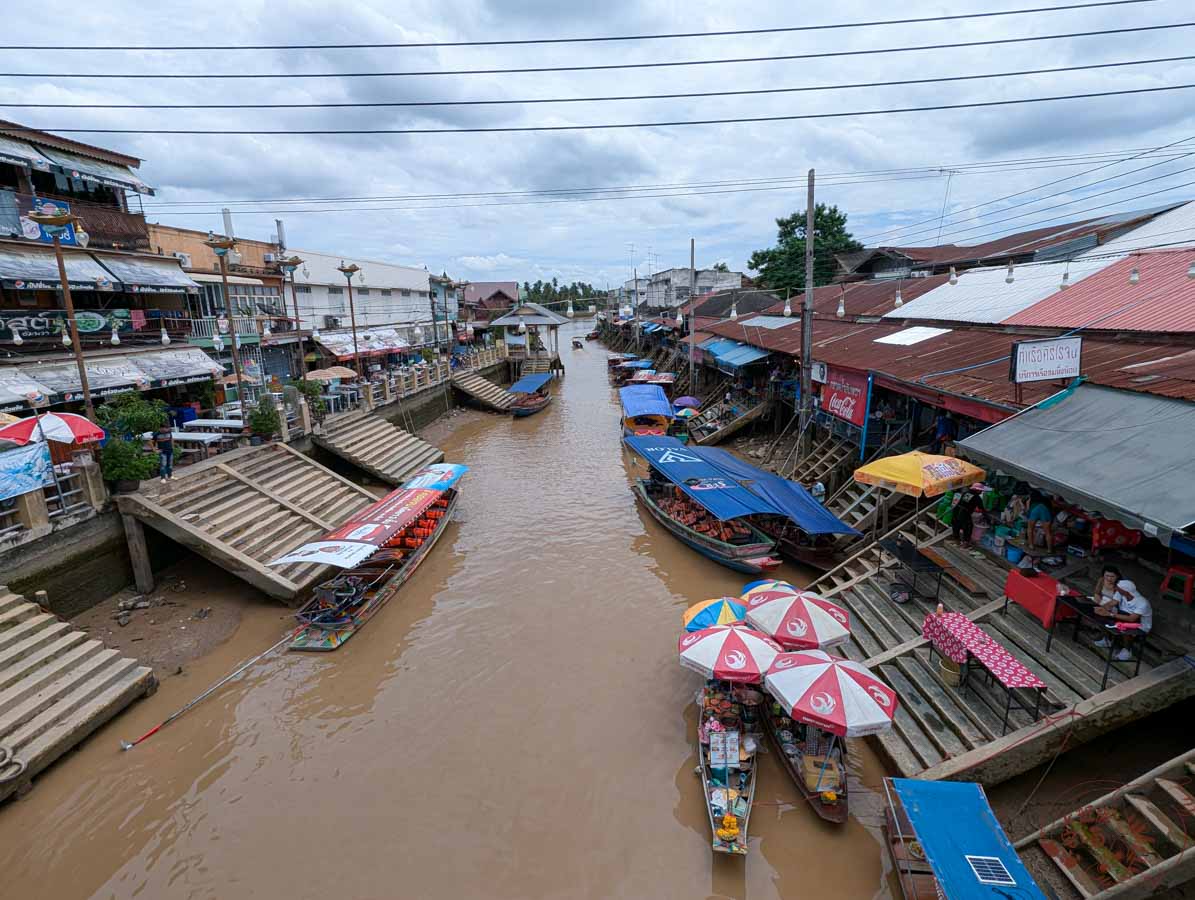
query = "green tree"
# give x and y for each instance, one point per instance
(721, 267)
(783, 267)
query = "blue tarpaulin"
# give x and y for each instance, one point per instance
(963, 842)
(741, 355)
(650, 327)
(716, 345)
(704, 482)
(790, 498)
(529, 384)
(24, 470)
(636, 364)
(644, 400)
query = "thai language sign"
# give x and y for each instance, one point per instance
(1045, 360)
(845, 395)
(43, 323)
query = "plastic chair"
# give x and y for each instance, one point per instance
(1184, 584)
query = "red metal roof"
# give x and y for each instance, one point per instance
(862, 298)
(1162, 301)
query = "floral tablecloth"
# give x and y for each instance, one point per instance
(955, 636)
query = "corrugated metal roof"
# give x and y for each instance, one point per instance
(1162, 301)
(982, 295)
(1171, 229)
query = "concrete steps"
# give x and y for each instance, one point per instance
(377, 446)
(483, 391)
(56, 687)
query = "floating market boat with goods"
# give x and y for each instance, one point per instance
(379, 548)
(645, 409)
(531, 394)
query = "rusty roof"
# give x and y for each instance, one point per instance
(35, 136)
(1162, 301)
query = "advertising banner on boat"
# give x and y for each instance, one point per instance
(344, 554)
(845, 395)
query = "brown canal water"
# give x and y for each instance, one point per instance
(513, 725)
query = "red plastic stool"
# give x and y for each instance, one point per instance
(1185, 587)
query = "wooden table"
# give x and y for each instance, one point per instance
(1082, 609)
(1038, 595)
(909, 557)
(227, 424)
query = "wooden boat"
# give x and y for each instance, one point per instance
(792, 741)
(818, 551)
(529, 404)
(592, 336)
(750, 552)
(578, 344)
(718, 423)
(342, 606)
(740, 792)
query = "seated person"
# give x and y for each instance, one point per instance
(1041, 523)
(1131, 607)
(1104, 593)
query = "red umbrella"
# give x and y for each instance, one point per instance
(65, 427)
(834, 694)
(728, 652)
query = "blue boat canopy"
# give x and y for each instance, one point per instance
(704, 482)
(649, 327)
(789, 498)
(645, 400)
(970, 854)
(529, 384)
(636, 364)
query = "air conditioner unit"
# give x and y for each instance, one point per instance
(269, 257)
(331, 321)
(184, 259)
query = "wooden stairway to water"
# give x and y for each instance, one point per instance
(1133, 842)
(827, 461)
(57, 686)
(240, 510)
(699, 425)
(380, 448)
(483, 391)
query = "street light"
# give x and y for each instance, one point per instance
(222, 246)
(289, 266)
(55, 224)
(348, 272)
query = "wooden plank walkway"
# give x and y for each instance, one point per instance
(483, 391)
(242, 509)
(936, 722)
(57, 686)
(380, 448)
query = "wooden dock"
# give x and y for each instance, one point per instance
(371, 443)
(242, 509)
(940, 732)
(700, 425)
(483, 391)
(57, 686)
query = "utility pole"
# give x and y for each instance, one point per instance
(692, 307)
(635, 321)
(289, 266)
(349, 271)
(807, 322)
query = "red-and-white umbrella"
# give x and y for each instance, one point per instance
(831, 693)
(65, 427)
(728, 652)
(800, 620)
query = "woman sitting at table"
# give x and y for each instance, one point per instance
(1131, 608)
(1104, 593)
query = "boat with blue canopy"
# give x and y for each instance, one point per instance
(531, 394)
(945, 841)
(645, 409)
(622, 372)
(725, 508)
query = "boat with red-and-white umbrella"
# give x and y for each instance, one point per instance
(798, 620)
(68, 428)
(820, 699)
(731, 657)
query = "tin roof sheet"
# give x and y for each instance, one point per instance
(1175, 228)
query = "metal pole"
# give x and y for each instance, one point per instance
(353, 319)
(807, 321)
(70, 319)
(635, 321)
(692, 307)
(232, 327)
(294, 296)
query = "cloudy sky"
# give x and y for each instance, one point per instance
(527, 238)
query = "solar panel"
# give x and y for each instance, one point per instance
(990, 870)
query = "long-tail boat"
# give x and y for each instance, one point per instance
(531, 394)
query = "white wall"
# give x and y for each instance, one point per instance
(383, 293)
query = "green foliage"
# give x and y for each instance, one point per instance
(722, 267)
(783, 266)
(131, 413)
(122, 460)
(264, 420)
(311, 392)
(552, 292)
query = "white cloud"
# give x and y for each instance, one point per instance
(499, 261)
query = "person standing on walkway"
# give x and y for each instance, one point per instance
(164, 444)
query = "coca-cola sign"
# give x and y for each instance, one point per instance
(845, 395)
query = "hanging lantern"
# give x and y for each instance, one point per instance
(165, 337)
(1010, 277)
(788, 308)
(522, 326)
(1066, 281)
(66, 338)
(899, 300)
(1191, 271)
(315, 332)
(953, 276)
(1135, 276)
(469, 332)
(265, 330)
(115, 339)
(417, 334)
(16, 337)
(218, 343)
(841, 311)
(734, 311)
(570, 312)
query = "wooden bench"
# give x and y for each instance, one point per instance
(968, 584)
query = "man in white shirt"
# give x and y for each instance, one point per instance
(1133, 608)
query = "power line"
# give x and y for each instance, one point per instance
(583, 40)
(508, 129)
(593, 68)
(389, 104)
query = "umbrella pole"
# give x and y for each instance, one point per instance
(53, 471)
(825, 762)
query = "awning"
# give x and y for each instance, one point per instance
(166, 368)
(16, 386)
(717, 345)
(370, 342)
(742, 355)
(74, 165)
(105, 375)
(964, 844)
(645, 400)
(149, 275)
(636, 364)
(208, 278)
(18, 153)
(789, 498)
(706, 483)
(529, 384)
(1124, 454)
(34, 268)
(647, 376)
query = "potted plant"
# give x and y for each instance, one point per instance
(125, 464)
(311, 391)
(264, 421)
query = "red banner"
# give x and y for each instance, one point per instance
(381, 521)
(845, 395)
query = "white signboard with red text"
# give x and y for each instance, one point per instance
(1046, 360)
(845, 395)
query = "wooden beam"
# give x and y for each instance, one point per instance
(286, 504)
(310, 462)
(143, 573)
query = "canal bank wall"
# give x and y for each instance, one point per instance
(78, 567)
